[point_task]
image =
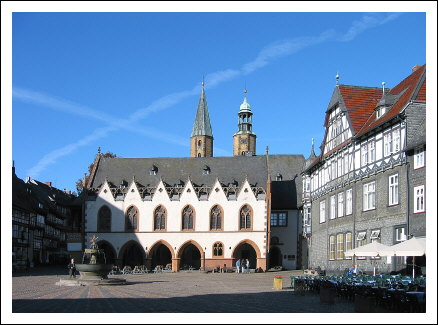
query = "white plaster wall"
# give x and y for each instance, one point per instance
(230, 236)
(288, 236)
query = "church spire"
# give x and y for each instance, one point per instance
(202, 125)
(201, 139)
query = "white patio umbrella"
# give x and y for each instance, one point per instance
(411, 247)
(371, 249)
(374, 249)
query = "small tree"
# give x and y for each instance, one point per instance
(79, 182)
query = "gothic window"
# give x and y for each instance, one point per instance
(218, 249)
(188, 218)
(104, 219)
(216, 218)
(245, 217)
(132, 219)
(160, 218)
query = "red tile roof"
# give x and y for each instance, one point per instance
(408, 85)
(360, 103)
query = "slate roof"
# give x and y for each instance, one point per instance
(20, 194)
(28, 195)
(202, 125)
(286, 193)
(418, 138)
(176, 171)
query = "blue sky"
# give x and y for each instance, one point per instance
(130, 82)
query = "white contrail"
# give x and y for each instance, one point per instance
(284, 48)
(264, 57)
(53, 156)
(368, 21)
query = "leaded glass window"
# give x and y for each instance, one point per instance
(216, 218)
(187, 217)
(132, 218)
(218, 249)
(245, 217)
(104, 219)
(160, 218)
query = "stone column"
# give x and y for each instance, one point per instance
(176, 264)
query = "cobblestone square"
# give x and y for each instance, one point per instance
(181, 292)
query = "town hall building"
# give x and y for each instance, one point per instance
(199, 212)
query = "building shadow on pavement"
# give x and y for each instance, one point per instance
(267, 302)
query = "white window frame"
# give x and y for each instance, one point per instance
(340, 167)
(398, 232)
(334, 169)
(380, 111)
(419, 160)
(419, 199)
(322, 211)
(348, 243)
(340, 246)
(364, 154)
(332, 248)
(333, 207)
(393, 189)
(387, 144)
(346, 164)
(375, 235)
(361, 240)
(371, 151)
(340, 204)
(369, 196)
(308, 185)
(349, 202)
(396, 145)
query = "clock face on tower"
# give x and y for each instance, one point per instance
(243, 140)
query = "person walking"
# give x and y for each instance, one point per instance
(238, 266)
(72, 268)
(247, 265)
(243, 265)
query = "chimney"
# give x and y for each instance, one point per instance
(416, 67)
(27, 179)
(48, 184)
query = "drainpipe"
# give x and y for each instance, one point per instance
(408, 166)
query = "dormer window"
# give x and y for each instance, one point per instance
(380, 111)
(153, 170)
(206, 170)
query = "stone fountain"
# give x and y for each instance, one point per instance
(93, 269)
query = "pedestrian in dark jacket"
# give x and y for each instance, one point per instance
(72, 268)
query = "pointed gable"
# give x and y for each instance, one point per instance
(360, 103)
(202, 125)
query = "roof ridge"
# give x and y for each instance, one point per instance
(364, 87)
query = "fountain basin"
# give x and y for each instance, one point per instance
(94, 271)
